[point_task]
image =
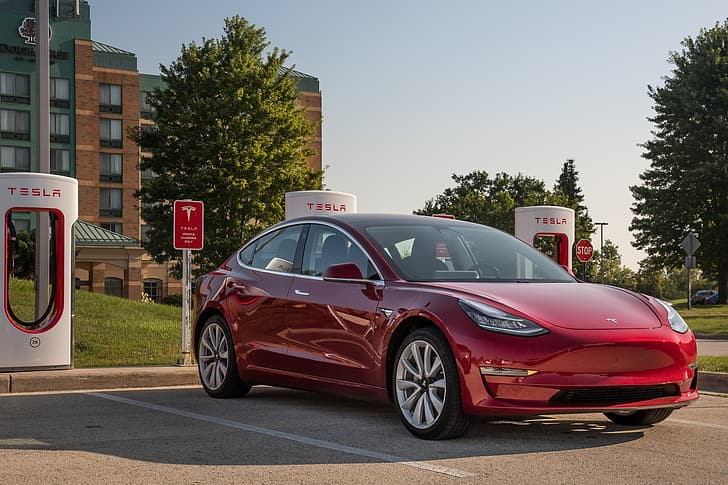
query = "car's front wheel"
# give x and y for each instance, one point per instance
(426, 387)
(640, 418)
(216, 360)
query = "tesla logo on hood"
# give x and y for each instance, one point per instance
(612, 320)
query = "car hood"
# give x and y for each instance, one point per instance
(580, 306)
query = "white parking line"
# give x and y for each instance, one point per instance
(698, 423)
(422, 465)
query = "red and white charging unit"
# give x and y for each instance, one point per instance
(40, 339)
(547, 220)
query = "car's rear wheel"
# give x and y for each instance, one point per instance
(216, 360)
(426, 387)
(639, 418)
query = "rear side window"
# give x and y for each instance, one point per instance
(275, 251)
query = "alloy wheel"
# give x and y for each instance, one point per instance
(213, 356)
(420, 384)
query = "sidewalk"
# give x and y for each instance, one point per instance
(98, 378)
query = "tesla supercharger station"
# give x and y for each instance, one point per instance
(42, 337)
(318, 203)
(547, 220)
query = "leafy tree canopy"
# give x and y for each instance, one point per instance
(491, 201)
(686, 186)
(228, 131)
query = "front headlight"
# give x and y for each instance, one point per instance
(676, 321)
(493, 319)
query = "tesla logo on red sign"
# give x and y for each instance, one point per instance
(550, 220)
(34, 192)
(189, 219)
(328, 207)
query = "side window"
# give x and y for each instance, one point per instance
(326, 246)
(275, 251)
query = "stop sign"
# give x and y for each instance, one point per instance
(584, 250)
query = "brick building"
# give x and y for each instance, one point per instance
(97, 94)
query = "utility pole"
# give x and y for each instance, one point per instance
(601, 249)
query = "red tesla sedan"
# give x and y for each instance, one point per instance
(446, 318)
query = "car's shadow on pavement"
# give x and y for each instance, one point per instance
(185, 426)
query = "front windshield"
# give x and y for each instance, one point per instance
(462, 252)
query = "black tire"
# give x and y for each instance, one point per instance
(417, 396)
(640, 418)
(216, 361)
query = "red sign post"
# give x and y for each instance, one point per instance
(189, 224)
(584, 250)
(188, 235)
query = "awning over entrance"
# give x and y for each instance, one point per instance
(88, 234)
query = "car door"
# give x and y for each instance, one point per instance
(257, 289)
(331, 323)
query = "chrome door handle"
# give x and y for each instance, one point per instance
(301, 293)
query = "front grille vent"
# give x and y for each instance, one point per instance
(614, 395)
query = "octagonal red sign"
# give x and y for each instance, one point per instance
(584, 250)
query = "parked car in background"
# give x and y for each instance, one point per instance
(444, 318)
(704, 297)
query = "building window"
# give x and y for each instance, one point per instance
(145, 233)
(14, 88)
(113, 286)
(110, 98)
(153, 288)
(147, 175)
(14, 158)
(14, 125)
(60, 92)
(110, 204)
(60, 161)
(110, 133)
(112, 226)
(146, 110)
(110, 167)
(60, 128)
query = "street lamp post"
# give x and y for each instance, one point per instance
(601, 249)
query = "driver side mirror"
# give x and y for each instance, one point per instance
(343, 271)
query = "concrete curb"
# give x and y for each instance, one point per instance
(98, 378)
(711, 336)
(713, 381)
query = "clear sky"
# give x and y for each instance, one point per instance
(414, 91)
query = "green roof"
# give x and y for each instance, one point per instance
(113, 57)
(87, 234)
(306, 82)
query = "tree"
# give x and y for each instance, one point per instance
(478, 198)
(686, 186)
(228, 131)
(568, 184)
(614, 273)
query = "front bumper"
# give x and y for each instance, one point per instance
(587, 372)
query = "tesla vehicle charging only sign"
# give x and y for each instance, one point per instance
(189, 224)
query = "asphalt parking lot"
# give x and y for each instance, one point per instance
(179, 435)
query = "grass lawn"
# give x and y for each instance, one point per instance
(712, 364)
(704, 318)
(112, 331)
